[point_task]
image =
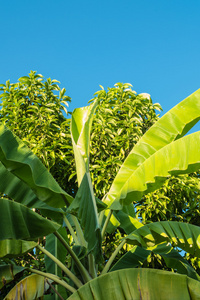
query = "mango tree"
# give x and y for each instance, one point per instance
(75, 229)
(33, 109)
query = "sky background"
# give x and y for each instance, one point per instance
(154, 45)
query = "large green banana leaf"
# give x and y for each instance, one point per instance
(132, 259)
(173, 125)
(127, 222)
(8, 272)
(81, 123)
(20, 161)
(84, 204)
(179, 157)
(123, 218)
(31, 287)
(137, 256)
(17, 190)
(53, 213)
(139, 284)
(175, 261)
(113, 222)
(10, 248)
(183, 235)
(20, 222)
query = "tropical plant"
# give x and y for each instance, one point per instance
(78, 226)
(120, 120)
(33, 109)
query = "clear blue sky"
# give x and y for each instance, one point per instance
(154, 45)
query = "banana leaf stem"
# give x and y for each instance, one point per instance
(101, 215)
(54, 278)
(92, 268)
(106, 224)
(82, 269)
(111, 259)
(79, 232)
(77, 282)
(71, 230)
(65, 200)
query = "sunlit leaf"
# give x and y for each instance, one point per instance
(173, 125)
(29, 288)
(139, 284)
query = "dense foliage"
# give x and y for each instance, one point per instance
(121, 118)
(176, 200)
(33, 109)
(128, 165)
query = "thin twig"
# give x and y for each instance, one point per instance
(53, 288)
(32, 256)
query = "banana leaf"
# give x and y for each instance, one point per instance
(182, 235)
(173, 125)
(137, 256)
(16, 189)
(81, 123)
(8, 272)
(127, 222)
(18, 159)
(85, 209)
(132, 259)
(31, 287)
(21, 223)
(175, 261)
(84, 205)
(139, 284)
(123, 218)
(11, 248)
(180, 157)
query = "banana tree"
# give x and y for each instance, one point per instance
(34, 207)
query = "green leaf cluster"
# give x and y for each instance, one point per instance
(121, 118)
(176, 200)
(33, 109)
